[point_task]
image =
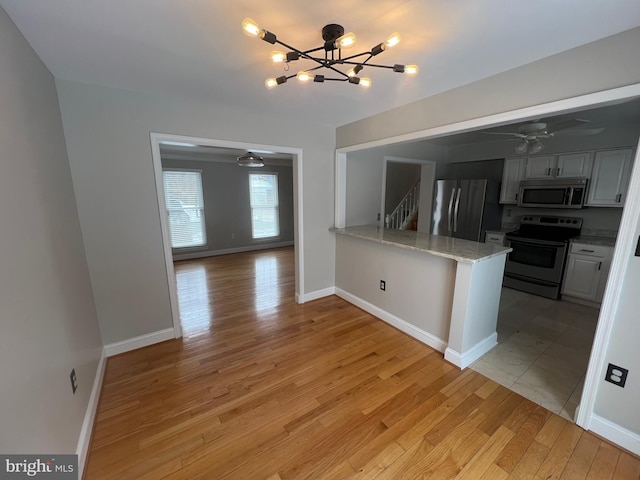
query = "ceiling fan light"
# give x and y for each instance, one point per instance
(521, 148)
(536, 147)
(250, 159)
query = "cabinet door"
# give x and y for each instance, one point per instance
(511, 176)
(609, 178)
(574, 165)
(540, 167)
(582, 277)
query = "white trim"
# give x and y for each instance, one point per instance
(594, 100)
(463, 360)
(340, 220)
(138, 342)
(84, 441)
(411, 330)
(625, 245)
(620, 436)
(298, 225)
(226, 251)
(325, 292)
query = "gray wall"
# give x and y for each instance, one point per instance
(489, 169)
(400, 178)
(605, 64)
(107, 133)
(226, 203)
(48, 320)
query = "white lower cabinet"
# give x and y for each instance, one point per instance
(586, 272)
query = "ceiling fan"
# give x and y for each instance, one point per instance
(529, 134)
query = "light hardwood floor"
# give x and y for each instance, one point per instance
(263, 388)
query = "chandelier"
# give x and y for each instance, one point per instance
(335, 40)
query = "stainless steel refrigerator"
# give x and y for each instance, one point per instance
(466, 208)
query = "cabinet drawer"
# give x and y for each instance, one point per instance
(590, 250)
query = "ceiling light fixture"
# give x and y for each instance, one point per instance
(529, 146)
(250, 159)
(334, 41)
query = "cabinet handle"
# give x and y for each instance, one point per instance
(585, 250)
(557, 172)
(618, 198)
(547, 172)
(516, 197)
(599, 265)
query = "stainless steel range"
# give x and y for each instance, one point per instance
(536, 264)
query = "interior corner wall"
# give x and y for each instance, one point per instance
(601, 65)
(48, 320)
(107, 132)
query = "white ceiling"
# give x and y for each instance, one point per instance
(195, 48)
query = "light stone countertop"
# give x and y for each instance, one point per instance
(464, 251)
(594, 240)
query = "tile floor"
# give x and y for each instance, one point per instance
(543, 349)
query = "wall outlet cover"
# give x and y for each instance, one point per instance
(616, 375)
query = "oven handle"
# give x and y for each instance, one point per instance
(536, 242)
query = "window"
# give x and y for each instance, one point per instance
(185, 207)
(263, 191)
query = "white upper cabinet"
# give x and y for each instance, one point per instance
(610, 178)
(574, 165)
(562, 166)
(543, 166)
(512, 173)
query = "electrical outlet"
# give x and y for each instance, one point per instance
(616, 375)
(233, 236)
(378, 217)
(74, 381)
(383, 285)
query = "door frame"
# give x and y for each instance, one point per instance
(585, 418)
(423, 189)
(298, 235)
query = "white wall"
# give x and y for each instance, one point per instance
(48, 321)
(605, 64)
(107, 132)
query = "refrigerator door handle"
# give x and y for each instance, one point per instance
(451, 202)
(456, 209)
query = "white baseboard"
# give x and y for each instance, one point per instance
(226, 251)
(615, 433)
(307, 297)
(86, 431)
(139, 342)
(463, 360)
(417, 333)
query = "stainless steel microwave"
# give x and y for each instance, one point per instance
(553, 193)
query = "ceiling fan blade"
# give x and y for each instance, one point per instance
(511, 134)
(579, 132)
(565, 125)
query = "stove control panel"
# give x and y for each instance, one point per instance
(551, 221)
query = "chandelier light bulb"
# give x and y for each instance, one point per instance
(392, 40)
(278, 57)
(251, 28)
(411, 70)
(304, 76)
(365, 82)
(270, 83)
(347, 40)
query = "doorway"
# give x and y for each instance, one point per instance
(158, 139)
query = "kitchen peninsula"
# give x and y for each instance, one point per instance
(442, 291)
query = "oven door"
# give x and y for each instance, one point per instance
(536, 259)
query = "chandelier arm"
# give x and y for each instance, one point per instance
(359, 55)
